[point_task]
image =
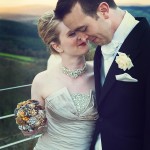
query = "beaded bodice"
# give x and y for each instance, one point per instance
(81, 101)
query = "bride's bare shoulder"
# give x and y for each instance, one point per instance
(39, 77)
(46, 75)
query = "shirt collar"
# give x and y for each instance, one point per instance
(125, 27)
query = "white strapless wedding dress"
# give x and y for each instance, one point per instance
(71, 121)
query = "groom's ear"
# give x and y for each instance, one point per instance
(103, 10)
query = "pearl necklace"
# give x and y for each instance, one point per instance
(74, 73)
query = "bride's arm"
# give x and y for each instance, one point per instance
(36, 89)
(36, 95)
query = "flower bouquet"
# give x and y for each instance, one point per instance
(30, 115)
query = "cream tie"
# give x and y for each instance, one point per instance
(108, 51)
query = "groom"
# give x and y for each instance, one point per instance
(121, 67)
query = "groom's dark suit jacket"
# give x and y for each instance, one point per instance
(124, 107)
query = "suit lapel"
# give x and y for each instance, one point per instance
(130, 48)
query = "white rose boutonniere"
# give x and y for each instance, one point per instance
(123, 61)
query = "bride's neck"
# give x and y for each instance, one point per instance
(73, 64)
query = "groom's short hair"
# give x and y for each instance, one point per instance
(89, 7)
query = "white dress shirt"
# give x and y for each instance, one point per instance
(110, 50)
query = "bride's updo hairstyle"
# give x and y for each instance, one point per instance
(47, 29)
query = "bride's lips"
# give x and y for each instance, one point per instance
(82, 44)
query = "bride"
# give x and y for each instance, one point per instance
(65, 89)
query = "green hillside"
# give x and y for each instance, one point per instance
(17, 57)
(20, 38)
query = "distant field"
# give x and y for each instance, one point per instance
(17, 57)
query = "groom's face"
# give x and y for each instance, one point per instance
(97, 30)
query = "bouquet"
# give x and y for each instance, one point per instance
(30, 115)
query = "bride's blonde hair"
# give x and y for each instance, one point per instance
(47, 29)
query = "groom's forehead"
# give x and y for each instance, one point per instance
(74, 23)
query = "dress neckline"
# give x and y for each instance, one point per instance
(65, 92)
(65, 89)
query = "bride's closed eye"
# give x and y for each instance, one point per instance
(71, 34)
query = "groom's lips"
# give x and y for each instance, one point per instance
(92, 39)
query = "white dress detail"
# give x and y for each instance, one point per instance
(71, 121)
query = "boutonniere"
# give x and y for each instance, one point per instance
(123, 61)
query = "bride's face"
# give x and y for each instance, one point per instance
(70, 43)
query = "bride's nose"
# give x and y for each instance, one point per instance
(83, 37)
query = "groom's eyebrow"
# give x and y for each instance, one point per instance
(79, 28)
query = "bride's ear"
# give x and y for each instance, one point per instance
(56, 46)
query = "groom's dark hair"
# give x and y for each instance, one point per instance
(89, 7)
